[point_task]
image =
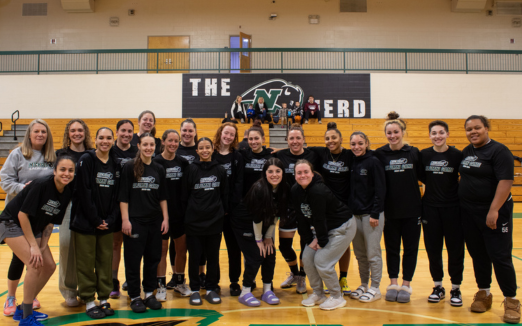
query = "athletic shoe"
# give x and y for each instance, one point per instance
(290, 280)
(19, 315)
(30, 321)
(152, 303)
(72, 302)
(183, 289)
(202, 280)
(242, 120)
(36, 304)
(344, 286)
(482, 301)
(371, 295)
(511, 311)
(313, 299)
(10, 307)
(124, 287)
(320, 122)
(358, 293)
(333, 303)
(115, 293)
(301, 285)
(306, 121)
(438, 294)
(161, 293)
(138, 306)
(172, 283)
(456, 298)
(325, 289)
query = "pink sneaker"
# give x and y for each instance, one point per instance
(10, 307)
(36, 304)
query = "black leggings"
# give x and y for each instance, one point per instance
(207, 245)
(408, 230)
(16, 269)
(234, 253)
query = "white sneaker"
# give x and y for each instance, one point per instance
(290, 280)
(371, 295)
(313, 299)
(301, 284)
(161, 294)
(333, 303)
(183, 289)
(72, 302)
(320, 122)
(306, 121)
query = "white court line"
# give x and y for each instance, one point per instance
(347, 308)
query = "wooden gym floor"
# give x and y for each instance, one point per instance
(289, 312)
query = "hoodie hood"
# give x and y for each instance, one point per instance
(405, 148)
(206, 165)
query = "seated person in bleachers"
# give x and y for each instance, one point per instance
(311, 110)
(295, 112)
(261, 110)
(250, 112)
(283, 114)
(238, 111)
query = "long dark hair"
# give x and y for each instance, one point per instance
(139, 166)
(259, 199)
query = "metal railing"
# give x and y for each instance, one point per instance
(261, 60)
(13, 120)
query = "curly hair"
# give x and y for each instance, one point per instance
(87, 142)
(219, 131)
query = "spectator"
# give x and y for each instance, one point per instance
(311, 110)
(261, 110)
(237, 111)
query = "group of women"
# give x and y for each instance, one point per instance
(143, 191)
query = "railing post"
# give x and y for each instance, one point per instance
(467, 63)
(344, 61)
(281, 61)
(157, 62)
(97, 63)
(219, 62)
(406, 62)
(13, 120)
(38, 64)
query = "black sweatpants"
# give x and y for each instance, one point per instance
(234, 253)
(408, 230)
(146, 242)
(207, 245)
(244, 231)
(308, 115)
(444, 224)
(487, 246)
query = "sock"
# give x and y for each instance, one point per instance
(245, 291)
(267, 287)
(343, 274)
(302, 272)
(10, 297)
(28, 309)
(114, 275)
(90, 305)
(294, 269)
(208, 291)
(147, 294)
(438, 284)
(103, 302)
(455, 286)
(180, 278)
(487, 290)
(135, 298)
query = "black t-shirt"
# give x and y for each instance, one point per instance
(188, 152)
(402, 169)
(136, 139)
(254, 163)
(41, 201)
(143, 196)
(105, 184)
(68, 151)
(335, 169)
(441, 177)
(122, 156)
(288, 159)
(480, 171)
(174, 172)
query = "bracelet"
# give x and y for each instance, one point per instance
(259, 241)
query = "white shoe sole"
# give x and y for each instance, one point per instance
(315, 303)
(375, 298)
(340, 305)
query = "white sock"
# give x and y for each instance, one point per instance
(267, 287)
(208, 291)
(147, 294)
(455, 286)
(90, 305)
(438, 284)
(487, 290)
(196, 300)
(245, 291)
(103, 302)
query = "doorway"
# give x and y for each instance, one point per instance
(240, 61)
(168, 60)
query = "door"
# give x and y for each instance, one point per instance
(246, 43)
(168, 60)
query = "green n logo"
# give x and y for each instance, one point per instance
(270, 98)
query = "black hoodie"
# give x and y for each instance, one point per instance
(188, 152)
(205, 197)
(254, 163)
(402, 169)
(95, 193)
(317, 206)
(233, 164)
(367, 185)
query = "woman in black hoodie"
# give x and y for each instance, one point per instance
(367, 192)
(402, 207)
(94, 212)
(206, 199)
(326, 227)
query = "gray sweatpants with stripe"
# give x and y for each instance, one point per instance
(367, 249)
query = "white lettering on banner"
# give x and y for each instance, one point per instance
(342, 109)
(211, 87)
(328, 109)
(359, 108)
(225, 87)
(195, 82)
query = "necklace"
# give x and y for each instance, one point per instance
(335, 159)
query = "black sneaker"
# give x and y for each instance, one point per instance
(235, 289)
(438, 294)
(153, 303)
(456, 298)
(138, 306)
(124, 287)
(172, 283)
(202, 280)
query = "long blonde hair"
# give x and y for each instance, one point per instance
(48, 147)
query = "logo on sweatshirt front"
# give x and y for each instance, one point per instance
(399, 165)
(439, 167)
(51, 207)
(207, 183)
(104, 179)
(469, 162)
(189, 158)
(146, 184)
(174, 173)
(228, 168)
(290, 169)
(335, 167)
(256, 164)
(306, 210)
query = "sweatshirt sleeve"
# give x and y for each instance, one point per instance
(224, 188)
(9, 173)
(303, 223)
(236, 196)
(84, 191)
(127, 174)
(258, 230)
(379, 181)
(186, 185)
(270, 232)
(318, 206)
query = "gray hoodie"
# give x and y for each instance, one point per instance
(17, 171)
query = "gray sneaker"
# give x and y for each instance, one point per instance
(313, 299)
(161, 294)
(333, 303)
(290, 280)
(183, 289)
(301, 284)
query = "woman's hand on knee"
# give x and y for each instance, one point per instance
(36, 257)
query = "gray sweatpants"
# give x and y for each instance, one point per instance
(67, 278)
(320, 265)
(367, 249)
